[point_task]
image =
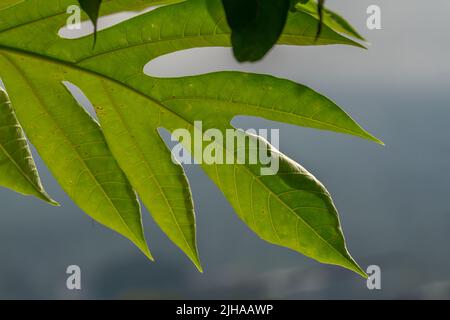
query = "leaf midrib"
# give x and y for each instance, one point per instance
(258, 107)
(170, 39)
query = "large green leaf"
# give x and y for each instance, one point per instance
(290, 208)
(17, 169)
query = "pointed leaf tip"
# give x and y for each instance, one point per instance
(20, 172)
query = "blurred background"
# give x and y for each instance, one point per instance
(392, 200)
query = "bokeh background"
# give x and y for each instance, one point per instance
(393, 200)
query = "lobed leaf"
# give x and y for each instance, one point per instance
(292, 208)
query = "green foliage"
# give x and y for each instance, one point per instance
(101, 166)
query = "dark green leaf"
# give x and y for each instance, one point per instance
(256, 26)
(92, 9)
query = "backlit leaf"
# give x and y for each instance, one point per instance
(290, 208)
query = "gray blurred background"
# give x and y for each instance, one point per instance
(392, 200)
